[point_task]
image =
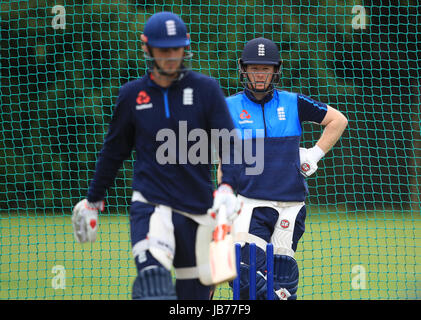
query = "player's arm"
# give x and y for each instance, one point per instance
(117, 147)
(334, 123)
(220, 118)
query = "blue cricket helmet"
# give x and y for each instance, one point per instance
(260, 51)
(166, 30)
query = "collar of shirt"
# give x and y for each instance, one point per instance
(265, 99)
(152, 83)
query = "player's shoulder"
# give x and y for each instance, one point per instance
(303, 99)
(284, 97)
(134, 84)
(305, 102)
(284, 93)
(298, 95)
(236, 97)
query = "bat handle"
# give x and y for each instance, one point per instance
(222, 215)
(222, 227)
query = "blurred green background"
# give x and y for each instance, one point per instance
(58, 87)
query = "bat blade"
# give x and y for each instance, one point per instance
(222, 251)
(222, 260)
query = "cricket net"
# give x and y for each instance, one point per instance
(62, 63)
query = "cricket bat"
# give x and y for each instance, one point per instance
(222, 251)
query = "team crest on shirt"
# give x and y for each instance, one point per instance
(281, 113)
(143, 101)
(188, 97)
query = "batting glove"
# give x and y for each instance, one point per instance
(309, 159)
(85, 220)
(224, 195)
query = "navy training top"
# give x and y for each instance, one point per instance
(142, 110)
(277, 121)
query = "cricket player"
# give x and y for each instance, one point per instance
(169, 223)
(274, 201)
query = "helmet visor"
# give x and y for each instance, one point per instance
(169, 66)
(259, 82)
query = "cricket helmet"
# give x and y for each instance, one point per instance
(260, 51)
(166, 30)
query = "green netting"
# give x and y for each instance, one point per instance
(58, 86)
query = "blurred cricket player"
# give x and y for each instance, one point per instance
(274, 201)
(169, 223)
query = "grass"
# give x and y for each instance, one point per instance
(341, 256)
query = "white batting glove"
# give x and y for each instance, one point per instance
(224, 195)
(309, 159)
(85, 220)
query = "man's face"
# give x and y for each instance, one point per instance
(260, 76)
(168, 59)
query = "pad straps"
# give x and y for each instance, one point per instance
(261, 243)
